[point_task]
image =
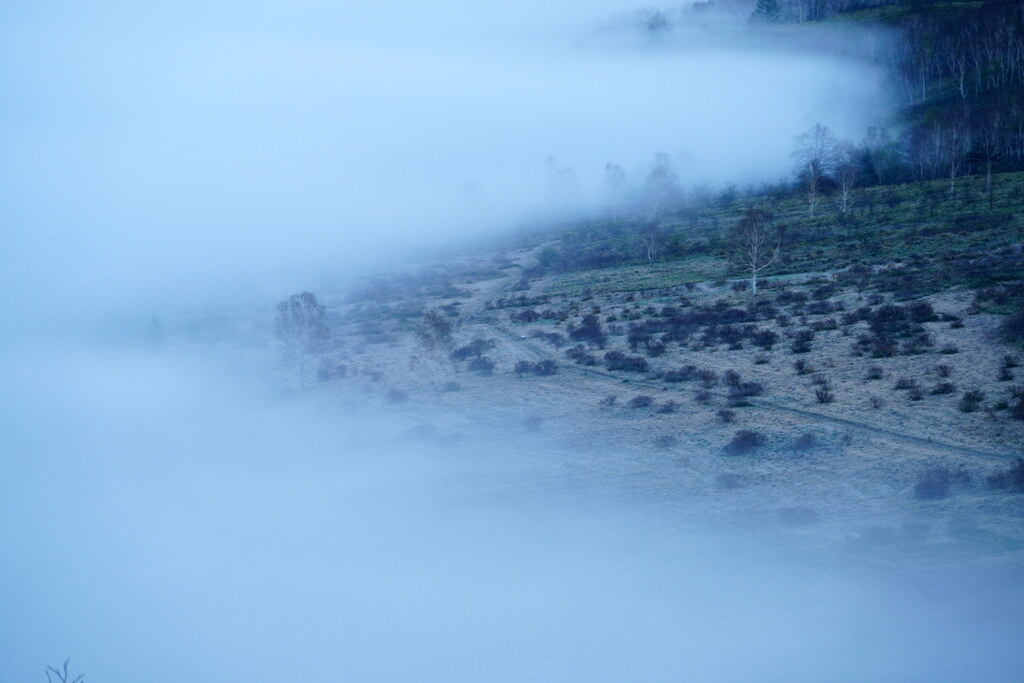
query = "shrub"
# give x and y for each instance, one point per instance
(933, 483)
(949, 349)
(617, 360)
(943, 370)
(875, 372)
(684, 374)
(474, 349)
(523, 367)
(732, 378)
(971, 401)
(1011, 479)
(396, 396)
(802, 341)
(545, 368)
(904, 383)
(915, 393)
(943, 388)
(703, 396)
(589, 331)
(766, 339)
(608, 401)
(1017, 410)
(1012, 329)
(483, 365)
(876, 402)
(727, 416)
(667, 407)
(708, 378)
(1005, 375)
(641, 401)
(761, 359)
(804, 442)
(824, 395)
(745, 441)
(578, 354)
(802, 367)
(1011, 360)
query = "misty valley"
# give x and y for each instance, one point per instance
(548, 342)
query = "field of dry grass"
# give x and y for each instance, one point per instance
(845, 470)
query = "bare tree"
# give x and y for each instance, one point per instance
(815, 157)
(62, 674)
(755, 244)
(847, 175)
(301, 329)
(652, 242)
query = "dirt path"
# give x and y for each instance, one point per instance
(855, 426)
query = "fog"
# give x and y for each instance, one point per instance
(179, 514)
(166, 517)
(172, 151)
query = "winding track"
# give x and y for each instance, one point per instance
(898, 437)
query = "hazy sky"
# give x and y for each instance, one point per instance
(168, 149)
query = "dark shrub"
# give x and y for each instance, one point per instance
(589, 331)
(766, 339)
(921, 312)
(667, 407)
(876, 402)
(608, 401)
(949, 349)
(617, 360)
(528, 315)
(1011, 360)
(1005, 375)
(1011, 479)
(802, 367)
(915, 393)
(904, 383)
(578, 354)
(971, 401)
(474, 349)
(684, 374)
(802, 341)
(943, 370)
(483, 365)
(944, 388)
(726, 415)
(824, 395)
(640, 401)
(933, 483)
(523, 367)
(545, 368)
(732, 378)
(875, 372)
(760, 359)
(1017, 410)
(703, 396)
(1012, 329)
(744, 441)
(708, 378)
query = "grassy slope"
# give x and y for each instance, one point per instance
(936, 235)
